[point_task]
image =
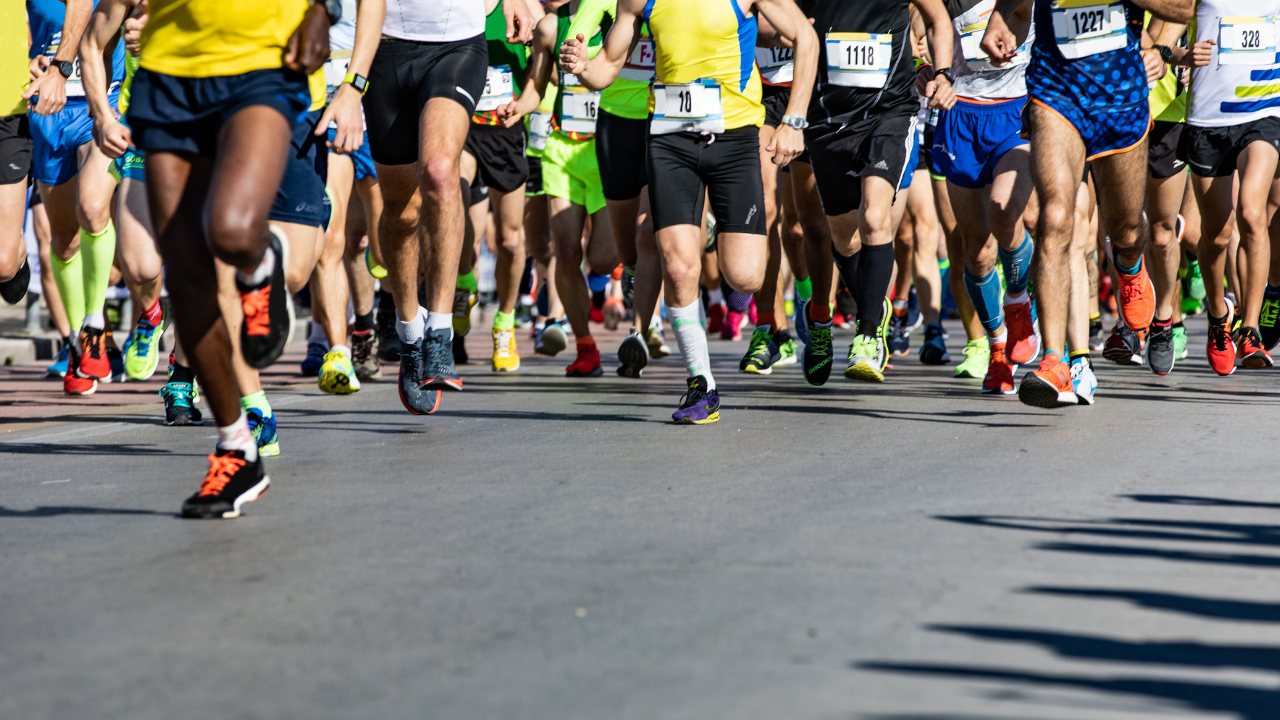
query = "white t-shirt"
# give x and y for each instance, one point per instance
(1224, 92)
(976, 78)
(434, 20)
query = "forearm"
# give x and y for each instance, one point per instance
(77, 19)
(370, 15)
(805, 69)
(93, 71)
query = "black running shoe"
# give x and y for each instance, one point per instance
(762, 353)
(1160, 354)
(438, 370)
(628, 287)
(460, 356)
(416, 400)
(1123, 346)
(232, 481)
(15, 288)
(180, 404)
(1269, 318)
(268, 312)
(633, 353)
(1096, 340)
(389, 344)
(817, 354)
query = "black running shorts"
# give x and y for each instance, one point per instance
(1213, 151)
(501, 164)
(302, 198)
(15, 149)
(725, 166)
(841, 155)
(404, 76)
(533, 186)
(620, 151)
(1162, 149)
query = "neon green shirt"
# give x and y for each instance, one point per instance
(628, 96)
(1168, 101)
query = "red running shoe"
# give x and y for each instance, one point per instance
(715, 319)
(72, 383)
(731, 329)
(587, 364)
(1249, 349)
(1023, 343)
(999, 379)
(1221, 350)
(1050, 386)
(92, 346)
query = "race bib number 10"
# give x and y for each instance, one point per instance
(859, 59)
(688, 107)
(1087, 27)
(1247, 41)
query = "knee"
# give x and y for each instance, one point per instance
(235, 236)
(440, 176)
(1253, 220)
(94, 212)
(878, 220)
(511, 241)
(1162, 235)
(9, 265)
(1056, 219)
(1004, 222)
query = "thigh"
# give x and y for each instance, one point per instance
(1011, 185)
(730, 168)
(252, 154)
(677, 200)
(1057, 164)
(1123, 199)
(390, 110)
(445, 124)
(1216, 199)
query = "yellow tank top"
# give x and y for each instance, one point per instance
(709, 39)
(214, 38)
(13, 57)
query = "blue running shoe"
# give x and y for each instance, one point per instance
(59, 367)
(802, 320)
(264, 432)
(914, 318)
(315, 359)
(699, 406)
(934, 350)
(180, 404)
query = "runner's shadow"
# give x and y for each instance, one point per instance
(56, 510)
(1200, 501)
(1197, 606)
(19, 448)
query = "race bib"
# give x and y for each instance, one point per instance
(859, 59)
(777, 65)
(578, 109)
(971, 45)
(1247, 41)
(499, 89)
(335, 71)
(539, 130)
(1087, 27)
(640, 66)
(689, 107)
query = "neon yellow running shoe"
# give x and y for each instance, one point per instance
(375, 269)
(505, 356)
(869, 353)
(142, 352)
(977, 356)
(463, 301)
(338, 375)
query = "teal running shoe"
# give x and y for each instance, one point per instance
(264, 432)
(180, 404)
(59, 366)
(142, 351)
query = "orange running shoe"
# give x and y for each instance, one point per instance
(1137, 298)
(268, 312)
(999, 379)
(1252, 354)
(72, 383)
(1050, 386)
(1023, 343)
(94, 363)
(587, 364)
(1221, 350)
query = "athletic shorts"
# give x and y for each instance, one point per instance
(972, 138)
(302, 198)
(55, 139)
(129, 165)
(405, 75)
(1162, 149)
(499, 152)
(360, 158)
(1213, 151)
(15, 149)
(725, 166)
(914, 163)
(569, 171)
(620, 151)
(841, 155)
(183, 114)
(533, 186)
(475, 193)
(1106, 104)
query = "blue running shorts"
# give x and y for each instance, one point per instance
(302, 198)
(362, 158)
(55, 139)
(1104, 97)
(972, 137)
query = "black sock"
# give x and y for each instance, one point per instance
(386, 301)
(364, 322)
(1178, 324)
(875, 269)
(848, 267)
(181, 373)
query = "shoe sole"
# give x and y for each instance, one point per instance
(787, 361)
(511, 369)
(1121, 356)
(338, 383)
(449, 384)
(597, 371)
(556, 345)
(245, 498)
(751, 369)
(634, 358)
(146, 375)
(1010, 391)
(271, 449)
(712, 418)
(1252, 363)
(1037, 393)
(182, 422)
(1084, 399)
(369, 376)
(1172, 362)
(930, 356)
(88, 392)
(863, 371)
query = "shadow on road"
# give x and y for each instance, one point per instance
(20, 448)
(56, 510)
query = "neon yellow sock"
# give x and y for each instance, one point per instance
(69, 276)
(99, 250)
(504, 321)
(468, 282)
(257, 401)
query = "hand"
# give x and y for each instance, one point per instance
(786, 145)
(514, 111)
(573, 55)
(1154, 64)
(920, 50)
(113, 137)
(344, 111)
(1202, 53)
(132, 32)
(36, 67)
(940, 93)
(51, 86)
(924, 74)
(999, 42)
(519, 22)
(308, 46)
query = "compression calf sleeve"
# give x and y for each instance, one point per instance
(69, 277)
(1017, 265)
(985, 294)
(691, 336)
(875, 270)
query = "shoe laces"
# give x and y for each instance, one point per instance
(93, 344)
(759, 341)
(437, 353)
(693, 395)
(863, 346)
(142, 337)
(361, 346)
(177, 393)
(820, 340)
(1219, 337)
(257, 310)
(221, 468)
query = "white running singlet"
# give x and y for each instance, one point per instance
(434, 20)
(1238, 85)
(976, 78)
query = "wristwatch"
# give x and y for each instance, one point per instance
(1165, 53)
(359, 82)
(795, 121)
(66, 67)
(946, 73)
(333, 8)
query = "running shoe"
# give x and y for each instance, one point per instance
(1269, 318)
(628, 283)
(364, 354)
(586, 364)
(311, 364)
(458, 347)
(1160, 350)
(977, 356)
(633, 353)
(731, 329)
(1221, 350)
(762, 353)
(934, 349)
(868, 354)
(388, 340)
(818, 357)
(115, 359)
(1123, 346)
(698, 406)
(232, 481)
(377, 271)
(463, 301)
(1195, 281)
(59, 366)
(1023, 344)
(1250, 351)
(597, 315)
(802, 320)
(899, 344)
(614, 313)
(715, 319)
(787, 354)
(1180, 342)
(914, 317)
(438, 370)
(1191, 306)
(1096, 339)
(338, 374)
(506, 358)
(1137, 298)
(72, 383)
(413, 396)
(15, 288)
(999, 377)
(180, 404)
(268, 312)
(656, 339)
(93, 362)
(1083, 382)
(264, 431)
(1050, 386)
(142, 354)
(552, 340)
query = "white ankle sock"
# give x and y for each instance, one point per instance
(341, 349)
(263, 271)
(411, 332)
(95, 320)
(691, 336)
(236, 436)
(439, 321)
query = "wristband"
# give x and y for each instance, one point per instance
(359, 82)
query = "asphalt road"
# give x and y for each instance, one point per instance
(548, 548)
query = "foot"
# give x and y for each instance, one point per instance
(1050, 386)
(934, 349)
(143, 353)
(1160, 351)
(977, 356)
(898, 342)
(232, 481)
(438, 369)
(1023, 344)
(1083, 381)
(633, 354)
(115, 360)
(762, 353)
(415, 398)
(1137, 298)
(1123, 346)
(999, 377)
(364, 354)
(656, 339)
(59, 366)
(72, 383)
(1269, 318)
(552, 340)
(586, 364)
(614, 313)
(263, 429)
(388, 340)
(463, 301)
(1180, 343)
(787, 352)
(715, 319)
(268, 312)
(731, 329)
(818, 355)
(338, 374)
(698, 406)
(867, 357)
(1096, 337)
(1250, 351)
(310, 366)
(506, 358)
(1195, 281)
(93, 361)
(802, 320)
(180, 404)
(1221, 349)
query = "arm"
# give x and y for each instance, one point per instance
(795, 28)
(1176, 11)
(520, 23)
(131, 33)
(536, 76)
(113, 137)
(941, 37)
(999, 41)
(600, 71)
(308, 46)
(344, 109)
(1163, 34)
(51, 86)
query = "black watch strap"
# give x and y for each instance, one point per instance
(66, 67)
(1165, 53)
(946, 73)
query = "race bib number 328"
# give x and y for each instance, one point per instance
(1247, 41)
